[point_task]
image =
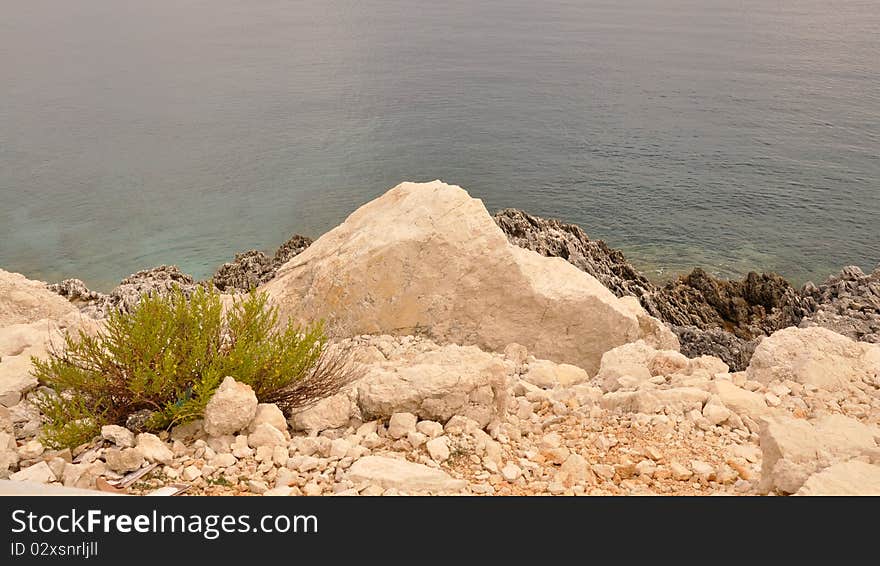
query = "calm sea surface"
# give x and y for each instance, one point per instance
(729, 134)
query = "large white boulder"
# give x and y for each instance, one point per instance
(815, 356)
(426, 258)
(794, 449)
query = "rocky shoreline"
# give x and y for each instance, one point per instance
(487, 369)
(710, 316)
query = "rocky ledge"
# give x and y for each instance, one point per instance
(486, 368)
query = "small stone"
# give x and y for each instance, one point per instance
(574, 470)
(715, 412)
(282, 491)
(339, 448)
(604, 471)
(266, 435)
(511, 472)
(772, 399)
(703, 469)
(124, 460)
(257, 486)
(646, 468)
(431, 429)
(312, 489)
(280, 454)
(268, 413)
(555, 488)
(120, 436)
(223, 460)
(191, 473)
(401, 424)
(416, 439)
(680, 472)
(438, 449)
(31, 450)
(653, 453)
(153, 449)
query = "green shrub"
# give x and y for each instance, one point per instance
(168, 356)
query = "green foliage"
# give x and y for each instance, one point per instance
(169, 355)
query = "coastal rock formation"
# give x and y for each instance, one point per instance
(252, 268)
(847, 303)
(552, 238)
(426, 258)
(161, 280)
(32, 318)
(710, 316)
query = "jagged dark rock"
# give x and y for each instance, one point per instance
(253, 268)
(847, 303)
(553, 238)
(248, 270)
(161, 280)
(733, 350)
(758, 305)
(292, 247)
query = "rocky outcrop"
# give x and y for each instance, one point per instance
(252, 268)
(847, 303)
(794, 449)
(425, 258)
(157, 280)
(24, 301)
(32, 319)
(818, 357)
(710, 316)
(735, 351)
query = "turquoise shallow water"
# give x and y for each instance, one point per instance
(731, 135)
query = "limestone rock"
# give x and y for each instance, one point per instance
(793, 449)
(402, 475)
(675, 400)
(32, 318)
(39, 473)
(401, 424)
(436, 385)
(547, 375)
(153, 449)
(426, 258)
(739, 400)
(815, 356)
(329, 413)
(120, 436)
(438, 449)
(123, 460)
(844, 478)
(266, 435)
(23, 301)
(231, 409)
(268, 413)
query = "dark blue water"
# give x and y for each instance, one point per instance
(734, 135)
